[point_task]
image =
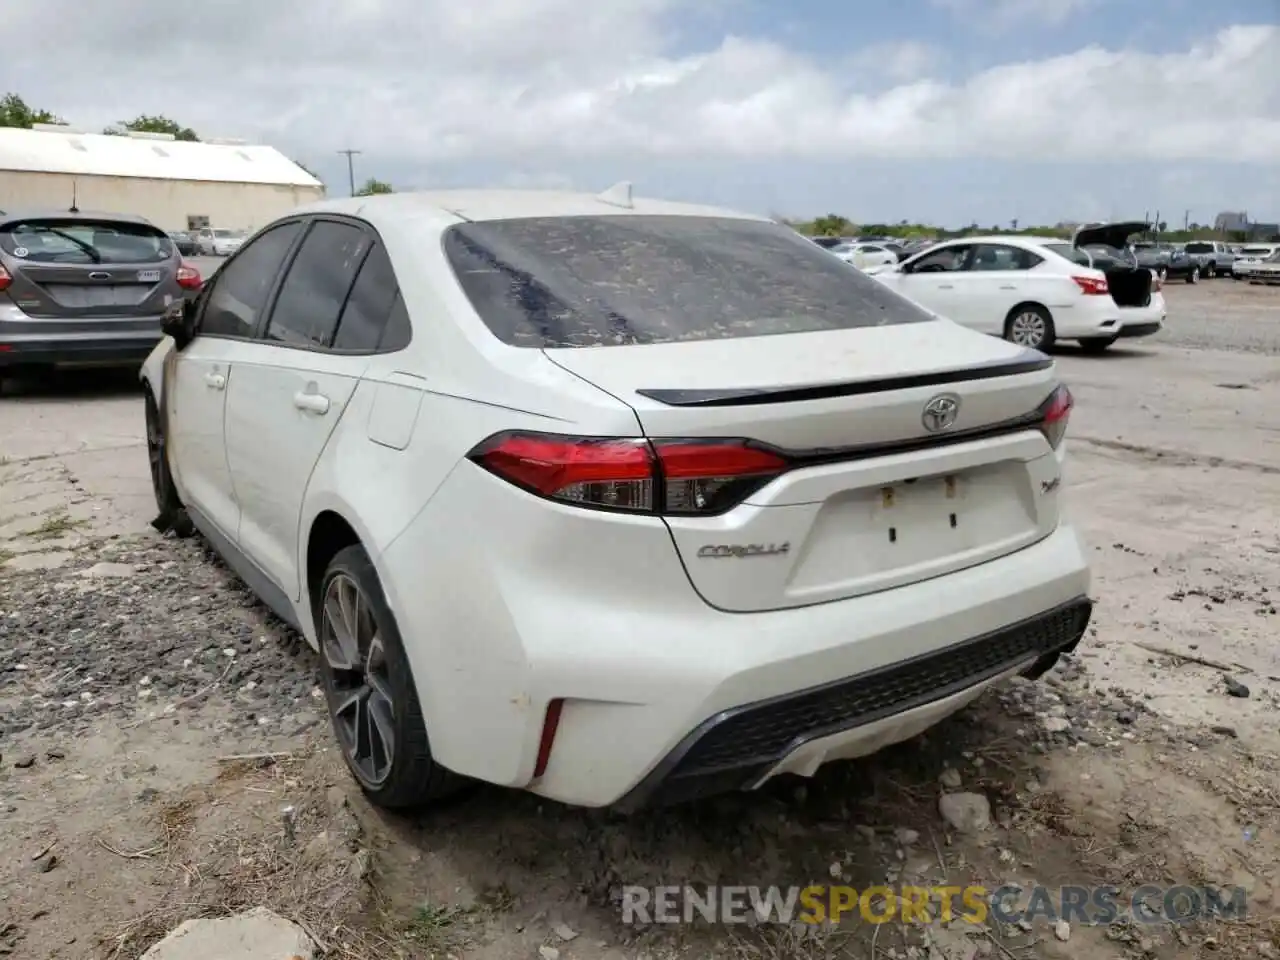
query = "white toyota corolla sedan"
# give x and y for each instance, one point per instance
(615, 500)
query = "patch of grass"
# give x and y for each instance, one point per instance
(435, 927)
(56, 524)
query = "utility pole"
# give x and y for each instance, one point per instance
(1186, 220)
(351, 168)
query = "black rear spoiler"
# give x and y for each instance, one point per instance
(1029, 361)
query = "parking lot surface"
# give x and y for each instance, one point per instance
(135, 670)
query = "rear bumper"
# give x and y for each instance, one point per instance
(741, 748)
(25, 340)
(1141, 329)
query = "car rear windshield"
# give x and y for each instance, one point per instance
(226, 233)
(1199, 248)
(52, 240)
(1255, 251)
(623, 280)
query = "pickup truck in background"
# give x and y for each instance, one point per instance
(1166, 261)
(1215, 258)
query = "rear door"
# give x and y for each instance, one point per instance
(288, 393)
(909, 442)
(998, 278)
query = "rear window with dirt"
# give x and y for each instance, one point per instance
(81, 241)
(621, 280)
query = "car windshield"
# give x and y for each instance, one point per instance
(1199, 248)
(55, 240)
(593, 281)
(1255, 251)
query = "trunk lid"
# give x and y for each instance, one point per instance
(1109, 234)
(875, 498)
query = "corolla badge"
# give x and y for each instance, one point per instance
(940, 413)
(741, 551)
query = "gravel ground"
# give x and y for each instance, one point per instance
(145, 628)
(1222, 315)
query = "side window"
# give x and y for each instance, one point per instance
(994, 256)
(946, 260)
(369, 307)
(317, 284)
(241, 286)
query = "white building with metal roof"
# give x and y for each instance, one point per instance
(177, 185)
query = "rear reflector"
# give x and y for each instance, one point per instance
(1054, 414)
(1092, 286)
(5, 279)
(672, 477)
(549, 727)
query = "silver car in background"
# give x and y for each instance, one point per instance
(85, 288)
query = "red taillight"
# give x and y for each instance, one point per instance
(5, 279)
(1092, 286)
(188, 277)
(1054, 414)
(674, 477)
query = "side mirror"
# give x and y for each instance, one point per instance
(179, 322)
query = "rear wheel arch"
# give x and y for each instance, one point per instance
(329, 533)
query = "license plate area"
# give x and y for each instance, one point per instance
(148, 276)
(86, 296)
(920, 507)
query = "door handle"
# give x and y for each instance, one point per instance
(946, 286)
(216, 381)
(1007, 286)
(311, 402)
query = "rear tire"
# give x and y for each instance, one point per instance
(1193, 275)
(373, 700)
(1030, 325)
(1210, 272)
(1096, 344)
(1163, 274)
(172, 514)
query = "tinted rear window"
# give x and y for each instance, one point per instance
(81, 241)
(600, 281)
(1199, 248)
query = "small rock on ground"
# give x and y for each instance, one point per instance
(254, 935)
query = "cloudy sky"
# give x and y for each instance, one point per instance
(926, 110)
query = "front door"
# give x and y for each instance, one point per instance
(195, 401)
(932, 280)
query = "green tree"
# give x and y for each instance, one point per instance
(144, 123)
(373, 186)
(15, 112)
(832, 225)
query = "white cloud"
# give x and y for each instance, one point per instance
(531, 84)
(1004, 14)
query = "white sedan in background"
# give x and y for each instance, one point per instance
(866, 256)
(1250, 258)
(1035, 291)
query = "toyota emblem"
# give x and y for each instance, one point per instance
(940, 413)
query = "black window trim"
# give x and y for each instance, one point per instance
(207, 294)
(972, 246)
(310, 221)
(973, 257)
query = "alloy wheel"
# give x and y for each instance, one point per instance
(361, 701)
(1028, 329)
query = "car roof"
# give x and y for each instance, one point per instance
(1007, 239)
(511, 204)
(53, 213)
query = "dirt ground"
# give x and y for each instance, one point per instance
(164, 752)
